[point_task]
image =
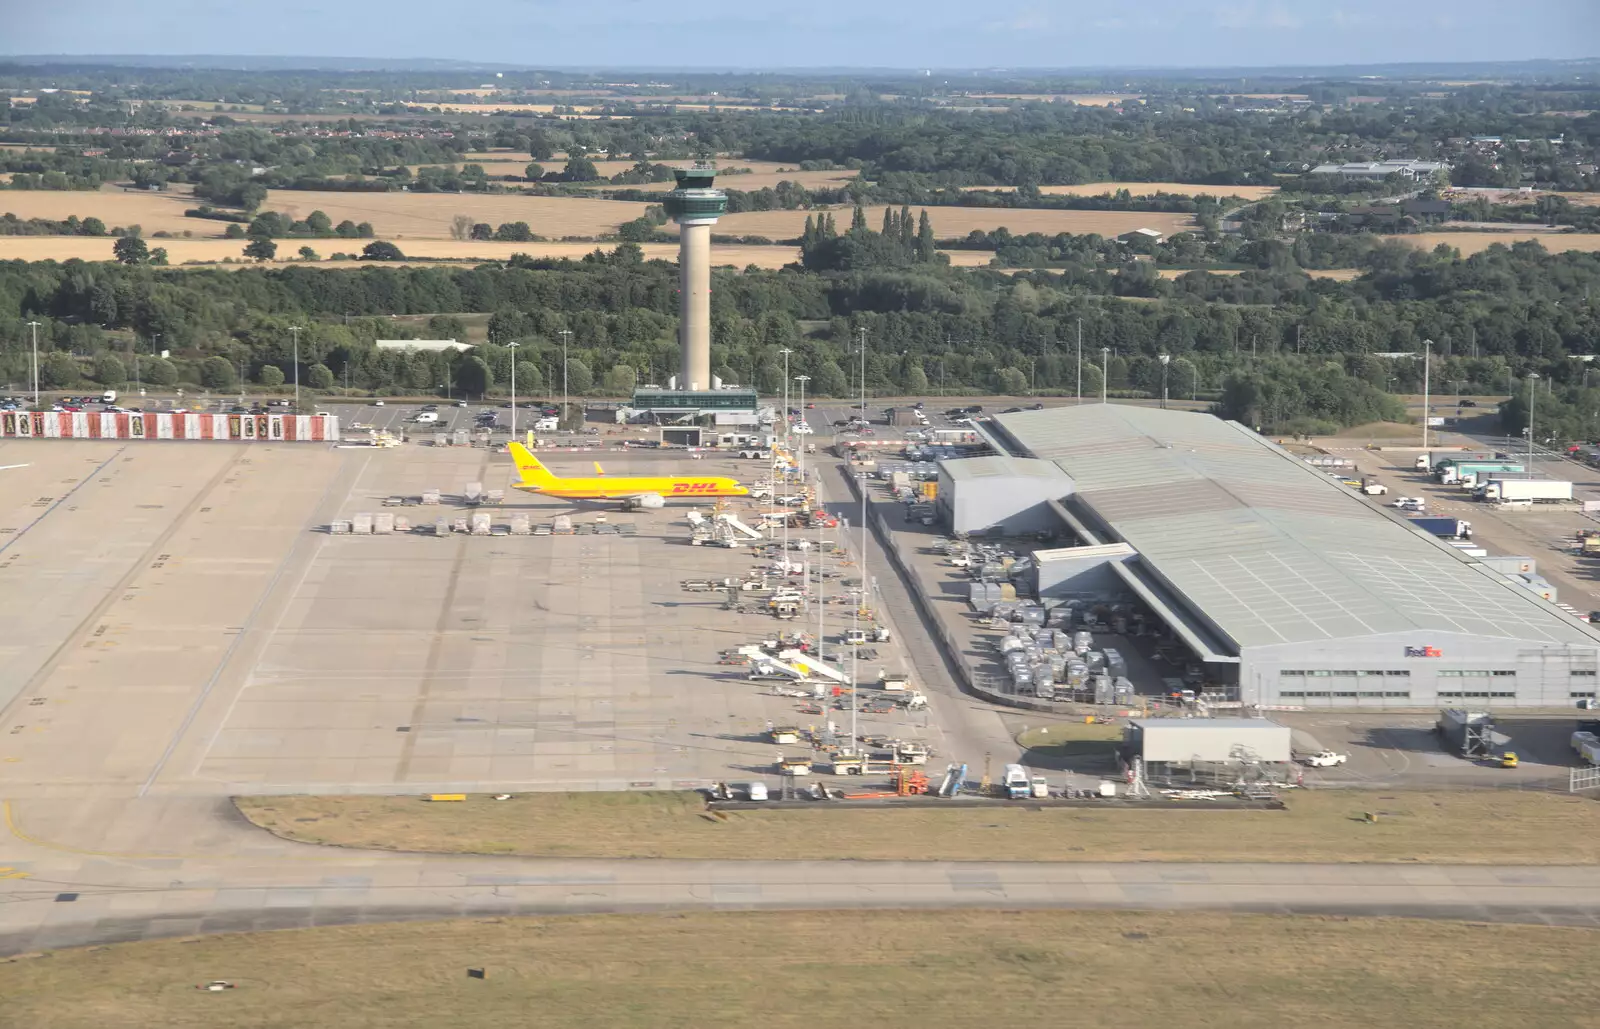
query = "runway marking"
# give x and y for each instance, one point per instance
(7, 872)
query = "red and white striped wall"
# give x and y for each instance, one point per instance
(267, 428)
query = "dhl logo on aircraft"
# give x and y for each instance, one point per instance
(694, 487)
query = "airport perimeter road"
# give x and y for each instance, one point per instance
(64, 885)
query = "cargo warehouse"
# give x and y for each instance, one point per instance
(1286, 586)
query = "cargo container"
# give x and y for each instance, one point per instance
(1454, 472)
(1444, 528)
(1544, 491)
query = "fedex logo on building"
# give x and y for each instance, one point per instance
(1424, 652)
(693, 487)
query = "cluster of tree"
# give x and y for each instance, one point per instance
(1276, 335)
(72, 225)
(317, 225)
(901, 244)
(1314, 397)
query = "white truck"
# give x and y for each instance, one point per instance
(1502, 491)
(1018, 785)
(1326, 759)
(1373, 489)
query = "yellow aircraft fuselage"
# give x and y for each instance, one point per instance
(536, 478)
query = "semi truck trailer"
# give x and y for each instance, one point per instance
(1445, 528)
(1545, 491)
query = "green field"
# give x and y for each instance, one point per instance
(929, 970)
(1473, 827)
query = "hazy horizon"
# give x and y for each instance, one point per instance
(831, 34)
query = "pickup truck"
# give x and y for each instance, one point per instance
(1326, 759)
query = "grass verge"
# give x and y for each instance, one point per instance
(1465, 827)
(935, 970)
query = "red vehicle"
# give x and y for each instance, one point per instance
(71, 407)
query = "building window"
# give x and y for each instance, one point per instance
(1574, 696)
(1503, 696)
(1378, 672)
(1314, 695)
(1338, 694)
(1400, 696)
(1294, 671)
(1583, 671)
(1504, 671)
(1296, 694)
(1401, 671)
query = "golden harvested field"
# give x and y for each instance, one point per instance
(1467, 827)
(759, 180)
(1472, 242)
(1141, 189)
(182, 251)
(154, 212)
(733, 970)
(393, 215)
(950, 222)
(428, 215)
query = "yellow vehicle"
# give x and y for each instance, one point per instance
(639, 491)
(1508, 760)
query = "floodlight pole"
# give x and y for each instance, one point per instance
(1105, 365)
(295, 329)
(512, 346)
(566, 335)
(35, 327)
(1533, 382)
(1166, 359)
(1427, 367)
(1080, 360)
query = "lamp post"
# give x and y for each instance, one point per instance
(800, 449)
(1105, 365)
(1427, 368)
(1166, 359)
(1533, 381)
(566, 335)
(785, 352)
(295, 329)
(864, 376)
(35, 327)
(512, 346)
(1080, 360)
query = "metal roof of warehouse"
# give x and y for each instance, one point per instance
(1268, 548)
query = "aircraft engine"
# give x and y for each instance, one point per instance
(652, 501)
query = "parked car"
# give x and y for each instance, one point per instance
(1326, 759)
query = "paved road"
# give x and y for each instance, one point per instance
(125, 882)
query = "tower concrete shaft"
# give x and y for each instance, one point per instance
(695, 205)
(694, 310)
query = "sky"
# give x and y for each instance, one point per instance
(943, 34)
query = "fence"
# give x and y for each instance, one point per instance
(188, 425)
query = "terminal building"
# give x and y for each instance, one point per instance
(1288, 588)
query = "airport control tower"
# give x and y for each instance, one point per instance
(695, 205)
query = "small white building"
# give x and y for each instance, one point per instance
(432, 345)
(1379, 170)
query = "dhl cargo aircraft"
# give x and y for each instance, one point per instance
(649, 491)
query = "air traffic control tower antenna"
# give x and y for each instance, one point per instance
(695, 205)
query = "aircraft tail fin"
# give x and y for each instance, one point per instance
(528, 467)
(598, 470)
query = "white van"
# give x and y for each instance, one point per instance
(109, 397)
(757, 791)
(425, 417)
(547, 425)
